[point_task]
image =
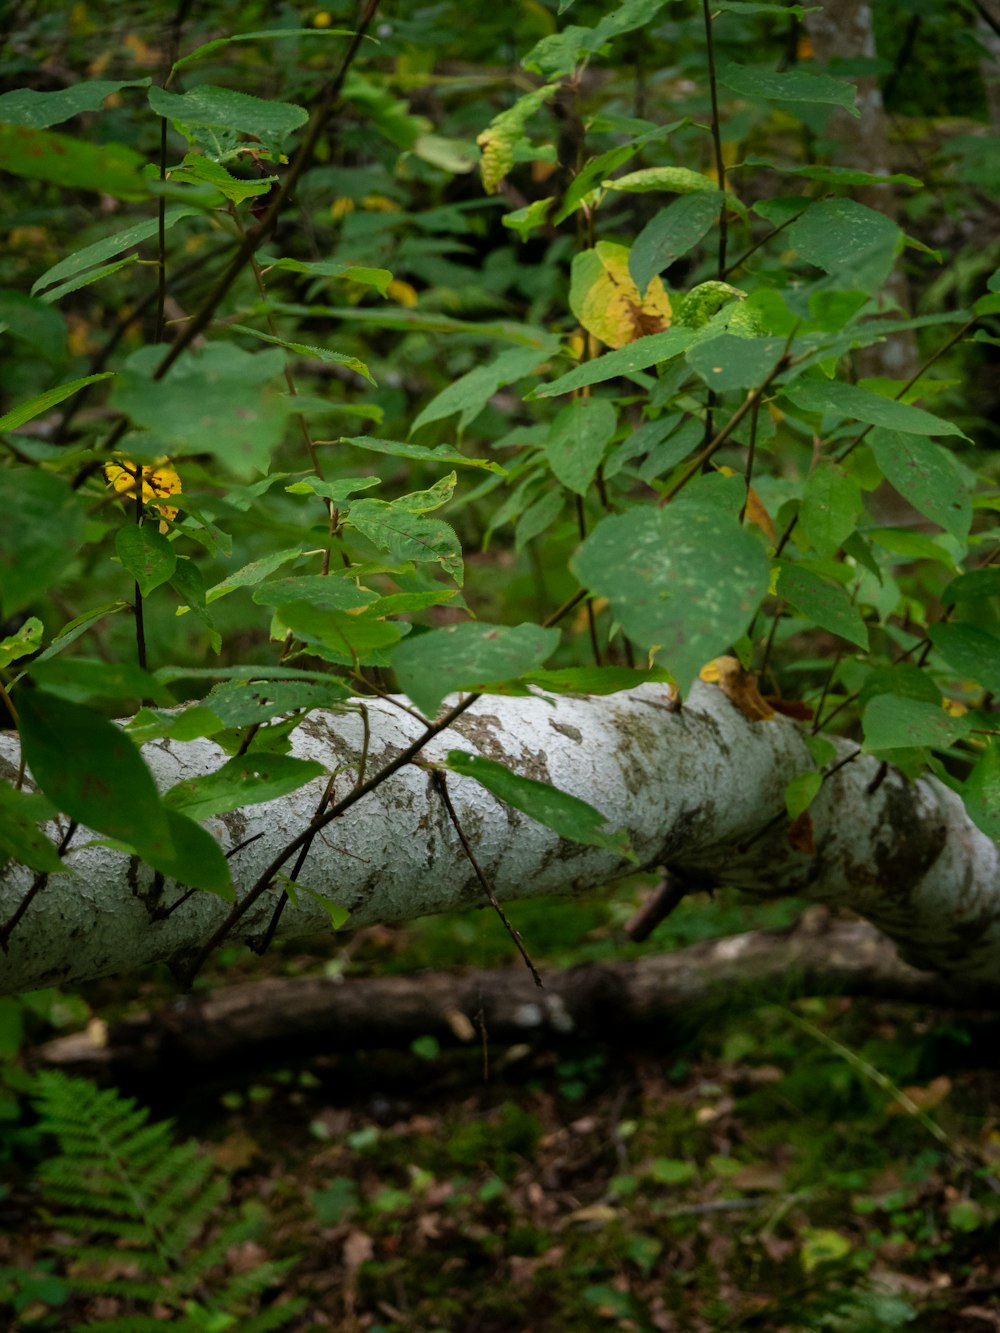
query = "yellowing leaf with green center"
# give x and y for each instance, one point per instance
(607, 302)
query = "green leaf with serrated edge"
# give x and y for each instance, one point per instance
(223, 108)
(408, 536)
(821, 750)
(926, 475)
(652, 350)
(25, 106)
(566, 815)
(732, 362)
(795, 85)
(975, 584)
(593, 680)
(250, 779)
(85, 279)
(147, 555)
(109, 168)
(253, 573)
(266, 34)
(219, 400)
(35, 324)
(34, 407)
(801, 792)
(424, 502)
(379, 278)
(671, 233)
(335, 491)
(468, 656)
(848, 240)
(89, 769)
(470, 393)
(831, 505)
(586, 181)
(107, 247)
(970, 651)
(83, 679)
(528, 219)
(825, 604)
(21, 839)
(829, 174)
(981, 791)
(859, 404)
(28, 639)
(683, 581)
(196, 169)
(891, 723)
(577, 440)
(41, 529)
(439, 454)
(404, 603)
(306, 349)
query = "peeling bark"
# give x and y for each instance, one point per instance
(699, 790)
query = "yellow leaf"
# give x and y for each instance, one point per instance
(607, 302)
(738, 685)
(159, 481)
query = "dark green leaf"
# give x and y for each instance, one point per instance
(982, 791)
(565, 814)
(109, 168)
(248, 779)
(859, 404)
(801, 792)
(731, 362)
(197, 860)
(832, 175)
(853, 243)
(970, 651)
(21, 839)
(266, 34)
(408, 536)
(928, 476)
(468, 656)
(307, 349)
(147, 555)
(894, 723)
(41, 529)
(105, 248)
(577, 440)
(25, 106)
(86, 679)
(440, 454)
(324, 592)
(34, 407)
(223, 108)
(972, 586)
(644, 352)
(89, 769)
(671, 233)
(831, 506)
(794, 85)
(683, 581)
(825, 604)
(218, 401)
(593, 680)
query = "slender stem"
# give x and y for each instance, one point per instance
(161, 241)
(441, 782)
(720, 166)
(782, 364)
(140, 627)
(751, 453)
(581, 523)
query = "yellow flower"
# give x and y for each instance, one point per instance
(159, 480)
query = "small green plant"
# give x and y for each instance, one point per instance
(145, 1212)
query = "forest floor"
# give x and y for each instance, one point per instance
(825, 1164)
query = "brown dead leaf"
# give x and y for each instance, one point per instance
(800, 833)
(738, 685)
(358, 1249)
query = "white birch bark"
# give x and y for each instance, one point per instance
(700, 789)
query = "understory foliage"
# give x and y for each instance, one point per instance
(143, 1217)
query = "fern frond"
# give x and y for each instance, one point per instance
(146, 1210)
